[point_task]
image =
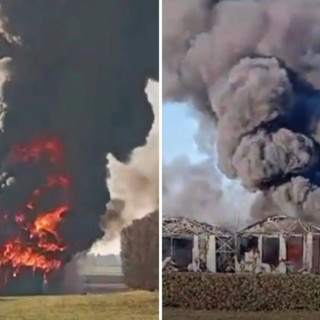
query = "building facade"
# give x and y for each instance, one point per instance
(197, 246)
(276, 244)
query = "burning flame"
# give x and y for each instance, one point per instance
(294, 251)
(36, 243)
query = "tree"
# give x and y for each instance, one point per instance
(140, 253)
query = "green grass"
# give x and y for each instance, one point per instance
(135, 305)
(180, 314)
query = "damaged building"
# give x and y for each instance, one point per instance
(279, 244)
(189, 245)
(276, 244)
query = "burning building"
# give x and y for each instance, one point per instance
(194, 246)
(279, 240)
(250, 70)
(72, 76)
(276, 244)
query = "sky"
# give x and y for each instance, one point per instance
(178, 130)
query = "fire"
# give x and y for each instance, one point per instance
(33, 151)
(48, 222)
(294, 251)
(36, 242)
(18, 255)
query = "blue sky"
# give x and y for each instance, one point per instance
(178, 130)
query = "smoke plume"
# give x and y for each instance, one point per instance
(137, 182)
(251, 68)
(75, 70)
(199, 191)
(134, 186)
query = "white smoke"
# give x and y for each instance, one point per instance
(200, 191)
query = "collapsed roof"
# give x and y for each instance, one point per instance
(281, 224)
(175, 227)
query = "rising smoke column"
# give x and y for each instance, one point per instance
(76, 70)
(137, 182)
(134, 186)
(254, 65)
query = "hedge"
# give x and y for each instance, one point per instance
(241, 292)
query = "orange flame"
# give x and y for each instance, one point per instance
(48, 222)
(37, 244)
(16, 254)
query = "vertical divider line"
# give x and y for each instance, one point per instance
(160, 160)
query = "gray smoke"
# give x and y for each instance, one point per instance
(251, 69)
(199, 191)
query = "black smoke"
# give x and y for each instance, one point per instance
(78, 71)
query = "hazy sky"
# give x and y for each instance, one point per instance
(178, 130)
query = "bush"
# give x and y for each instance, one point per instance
(242, 292)
(140, 253)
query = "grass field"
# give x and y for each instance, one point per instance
(180, 314)
(134, 305)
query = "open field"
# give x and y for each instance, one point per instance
(133, 305)
(99, 270)
(181, 314)
(101, 279)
